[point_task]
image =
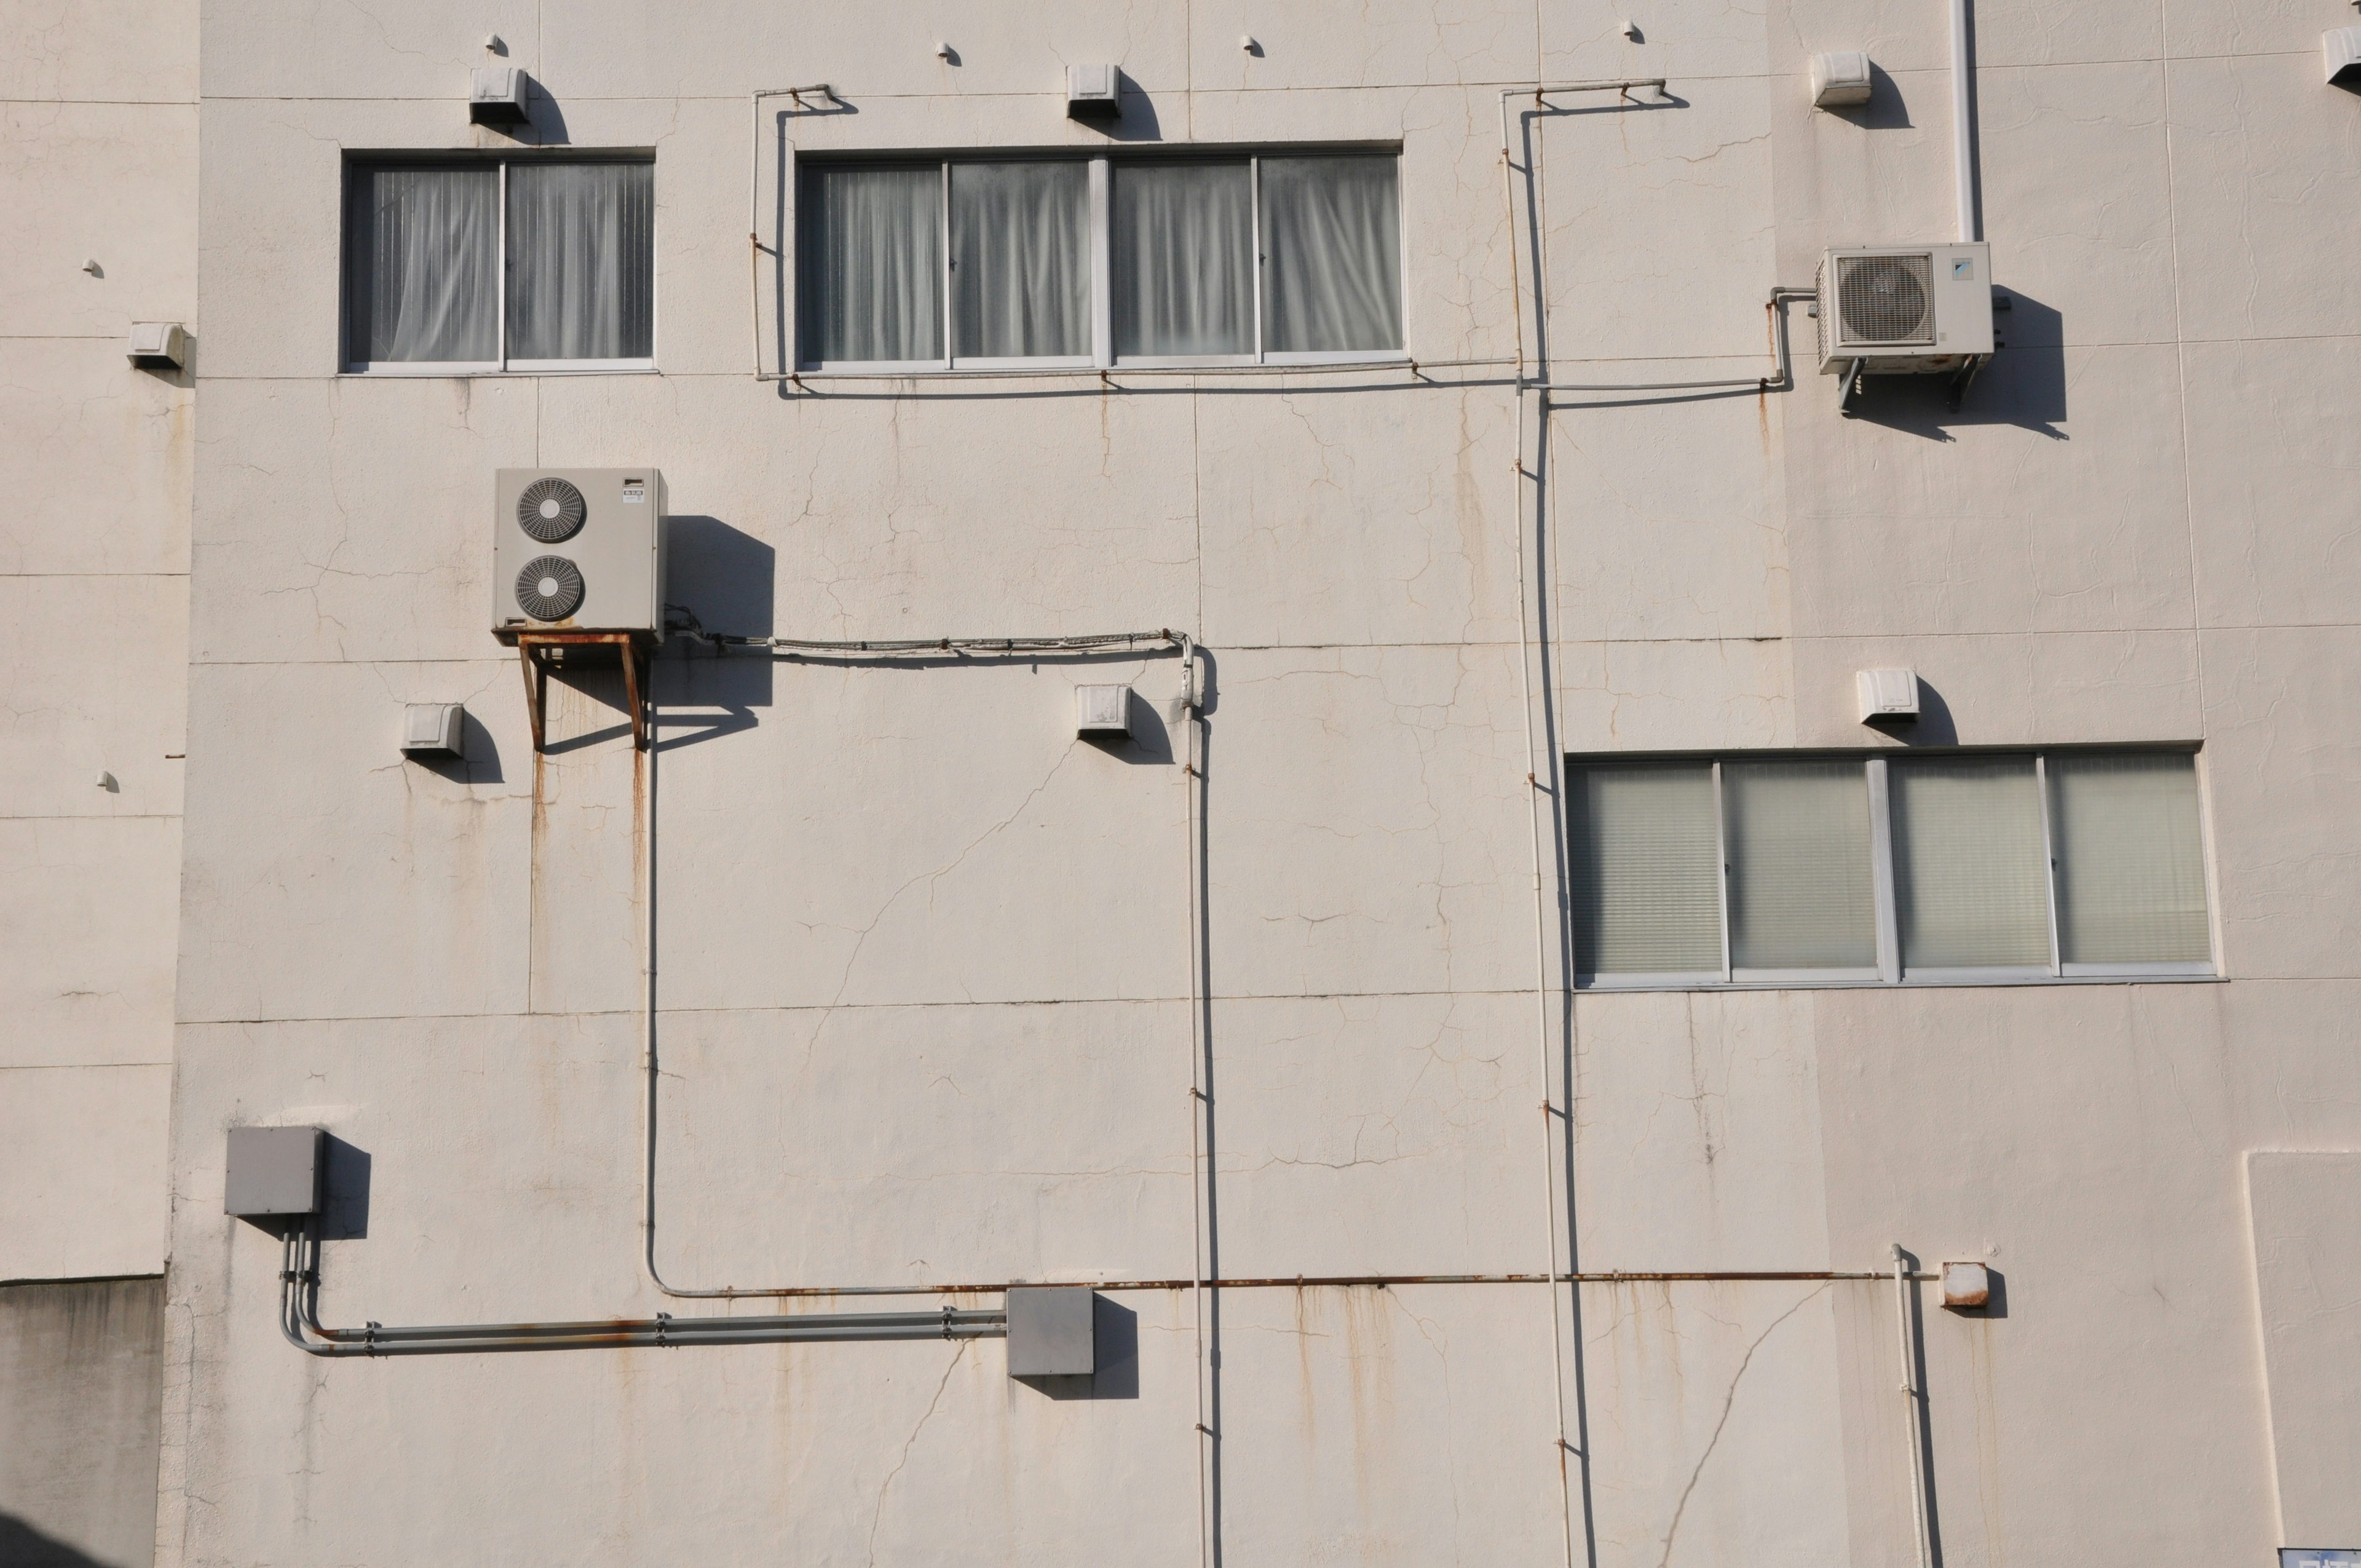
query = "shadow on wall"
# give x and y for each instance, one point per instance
(22, 1546)
(729, 580)
(2023, 385)
(1886, 111)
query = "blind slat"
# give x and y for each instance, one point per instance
(1970, 885)
(2131, 871)
(1648, 883)
(1800, 890)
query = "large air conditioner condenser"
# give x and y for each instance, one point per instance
(578, 550)
(1922, 310)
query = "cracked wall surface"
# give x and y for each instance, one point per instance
(924, 958)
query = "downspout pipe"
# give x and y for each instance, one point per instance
(1963, 156)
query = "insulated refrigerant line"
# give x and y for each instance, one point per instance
(920, 647)
(1922, 1537)
(754, 198)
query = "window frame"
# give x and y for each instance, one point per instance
(1102, 357)
(1891, 972)
(383, 158)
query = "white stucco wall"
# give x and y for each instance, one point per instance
(925, 956)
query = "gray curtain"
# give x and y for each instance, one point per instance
(422, 254)
(1021, 259)
(869, 280)
(1332, 254)
(1183, 246)
(581, 260)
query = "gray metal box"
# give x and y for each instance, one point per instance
(1050, 1332)
(274, 1170)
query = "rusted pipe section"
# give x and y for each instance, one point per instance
(299, 1320)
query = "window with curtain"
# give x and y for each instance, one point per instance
(1234, 258)
(1883, 868)
(529, 264)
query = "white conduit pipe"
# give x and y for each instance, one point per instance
(1910, 1402)
(1200, 1108)
(754, 195)
(1533, 791)
(1963, 163)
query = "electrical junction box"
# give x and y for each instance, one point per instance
(1966, 1286)
(158, 345)
(1904, 309)
(274, 1170)
(1887, 696)
(1839, 80)
(2340, 49)
(578, 550)
(1051, 1331)
(496, 96)
(1103, 712)
(433, 728)
(1093, 92)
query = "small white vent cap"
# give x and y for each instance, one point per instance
(158, 345)
(2340, 49)
(1102, 711)
(496, 96)
(433, 728)
(1887, 696)
(1093, 92)
(1839, 78)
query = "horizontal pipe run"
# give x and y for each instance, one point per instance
(1108, 372)
(1299, 1281)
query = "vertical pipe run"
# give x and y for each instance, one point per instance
(1910, 1405)
(1963, 162)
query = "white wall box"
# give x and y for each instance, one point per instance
(578, 550)
(158, 345)
(1102, 711)
(1839, 80)
(1887, 696)
(1967, 1286)
(433, 728)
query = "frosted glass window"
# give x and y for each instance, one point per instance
(581, 261)
(1331, 254)
(1021, 260)
(1970, 881)
(1183, 257)
(869, 263)
(1647, 873)
(2130, 870)
(422, 265)
(1801, 890)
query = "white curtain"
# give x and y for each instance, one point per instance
(1332, 254)
(1971, 887)
(581, 260)
(1800, 884)
(2131, 866)
(1184, 245)
(422, 265)
(1647, 872)
(1021, 259)
(869, 263)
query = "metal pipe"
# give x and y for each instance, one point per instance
(1181, 642)
(1105, 372)
(754, 199)
(1200, 1110)
(1963, 162)
(1910, 1401)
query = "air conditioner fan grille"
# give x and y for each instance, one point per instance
(551, 511)
(1886, 298)
(549, 588)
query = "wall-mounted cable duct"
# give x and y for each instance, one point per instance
(820, 89)
(1963, 157)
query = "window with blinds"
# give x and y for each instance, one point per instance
(1888, 869)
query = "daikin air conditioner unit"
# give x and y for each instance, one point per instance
(1911, 309)
(578, 550)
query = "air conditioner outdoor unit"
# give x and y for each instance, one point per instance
(578, 550)
(1906, 308)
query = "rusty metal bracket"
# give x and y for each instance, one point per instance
(635, 651)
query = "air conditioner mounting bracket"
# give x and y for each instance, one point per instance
(635, 651)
